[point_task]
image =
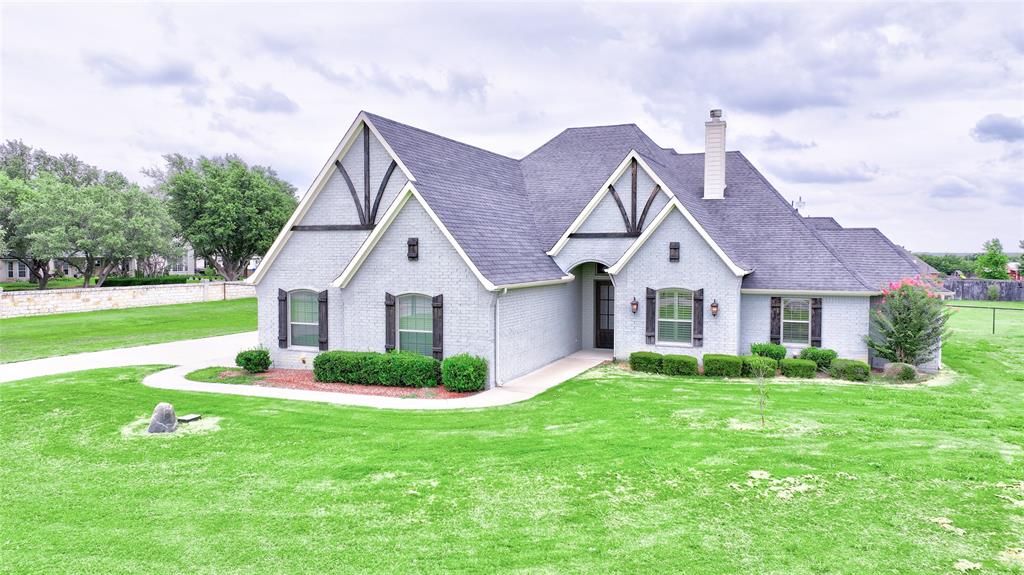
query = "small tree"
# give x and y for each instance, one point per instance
(909, 324)
(761, 370)
(992, 263)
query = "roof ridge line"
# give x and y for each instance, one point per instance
(436, 135)
(808, 227)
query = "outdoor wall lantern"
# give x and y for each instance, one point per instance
(634, 305)
(714, 308)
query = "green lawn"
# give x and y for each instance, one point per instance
(24, 338)
(608, 473)
(54, 283)
(213, 375)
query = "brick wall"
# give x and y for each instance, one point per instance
(699, 267)
(537, 326)
(51, 301)
(844, 323)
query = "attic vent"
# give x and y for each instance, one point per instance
(673, 251)
(414, 248)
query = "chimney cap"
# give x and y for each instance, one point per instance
(716, 113)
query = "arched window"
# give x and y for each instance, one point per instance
(303, 318)
(415, 324)
(675, 316)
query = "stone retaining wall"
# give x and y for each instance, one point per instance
(32, 302)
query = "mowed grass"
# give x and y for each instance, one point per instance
(611, 472)
(23, 338)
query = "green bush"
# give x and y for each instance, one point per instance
(646, 361)
(464, 372)
(820, 356)
(256, 360)
(399, 369)
(909, 323)
(677, 365)
(900, 371)
(803, 368)
(143, 281)
(716, 365)
(756, 365)
(993, 293)
(850, 369)
(772, 350)
(414, 370)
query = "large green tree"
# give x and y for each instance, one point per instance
(229, 211)
(909, 323)
(992, 263)
(94, 227)
(948, 264)
(20, 166)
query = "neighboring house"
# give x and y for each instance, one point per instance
(599, 238)
(12, 270)
(1013, 270)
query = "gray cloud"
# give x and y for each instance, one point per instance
(221, 123)
(889, 115)
(818, 174)
(774, 141)
(952, 187)
(999, 128)
(468, 86)
(264, 99)
(118, 71)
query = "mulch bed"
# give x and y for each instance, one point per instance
(303, 379)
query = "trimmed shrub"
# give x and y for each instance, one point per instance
(716, 365)
(850, 369)
(756, 365)
(413, 370)
(464, 372)
(256, 360)
(803, 368)
(772, 350)
(820, 356)
(677, 364)
(900, 371)
(344, 367)
(646, 361)
(143, 281)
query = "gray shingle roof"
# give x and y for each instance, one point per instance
(507, 213)
(876, 258)
(823, 223)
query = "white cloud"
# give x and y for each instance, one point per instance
(867, 111)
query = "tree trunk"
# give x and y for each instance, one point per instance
(104, 272)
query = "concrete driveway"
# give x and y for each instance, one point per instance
(219, 350)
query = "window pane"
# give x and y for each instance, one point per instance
(667, 305)
(416, 342)
(305, 335)
(796, 309)
(415, 312)
(794, 332)
(304, 307)
(675, 331)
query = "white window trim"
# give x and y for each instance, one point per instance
(398, 320)
(657, 320)
(290, 322)
(784, 321)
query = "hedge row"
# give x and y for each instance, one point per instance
(401, 369)
(143, 281)
(719, 365)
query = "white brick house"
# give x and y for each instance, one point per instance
(599, 238)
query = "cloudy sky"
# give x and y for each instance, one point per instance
(909, 118)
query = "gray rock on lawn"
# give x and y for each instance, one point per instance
(163, 420)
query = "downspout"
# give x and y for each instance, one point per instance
(497, 347)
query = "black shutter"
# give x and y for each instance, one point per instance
(282, 318)
(389, 322)
(815, 322)
(321, 299)
(650, 311)
(414, 248)
(698, 318)
(776, 329)
(438, 304)
(673, 251)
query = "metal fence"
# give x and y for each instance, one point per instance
(1014, 320)
(977, 289)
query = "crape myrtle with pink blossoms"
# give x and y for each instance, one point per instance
(909, 324)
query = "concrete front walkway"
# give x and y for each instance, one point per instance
(519, 389)
(219, 350)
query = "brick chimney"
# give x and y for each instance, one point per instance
(714, 157)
